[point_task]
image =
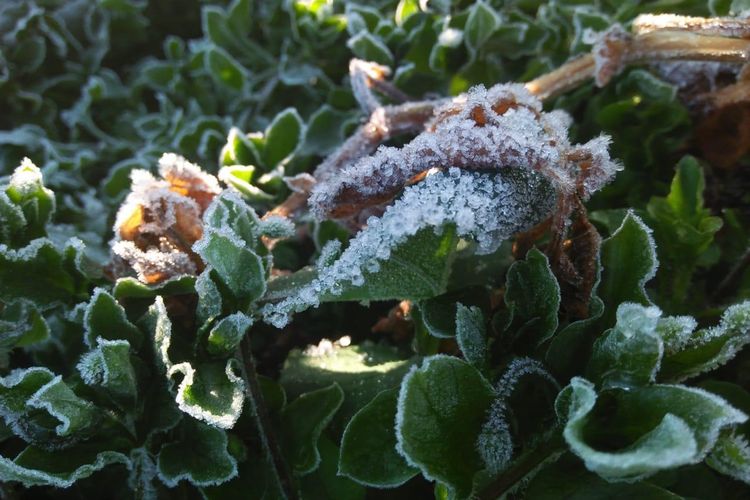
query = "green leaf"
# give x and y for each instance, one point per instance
(42, 409)
(209, 297)
(37, 203)
(325, 130)
(199, 455)
(326, 483)
(684, 229)
(629, 354)
(21, 324)
(59, 468)
(628, 259)
(109, 366)
(643, 430)
(239, 267)
(471, 335)
(224, 338)
(105, 318)
(211, 391)
(566, 478)
(441, 408)
(404, 10)
(131, 288)
(362, 371)
(481, 23)
(225, 69)
(283, 137)
(368, 446)
(708, 348)
(731, 456)
(303, 421)
(370, 48)
(41, 273)
(239, 150)
(532, 296)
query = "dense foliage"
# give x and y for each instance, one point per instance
(421, 351)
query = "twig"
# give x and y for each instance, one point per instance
(263, 420)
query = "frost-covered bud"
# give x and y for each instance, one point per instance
(161, 219)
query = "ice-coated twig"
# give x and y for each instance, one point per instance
(367, 75)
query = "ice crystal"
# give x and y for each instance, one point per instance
(484, 129)
(485, 207)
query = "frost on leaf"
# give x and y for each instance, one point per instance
(495, 442)
(486, 129)
(666, 426)
(485, 207)
(160, 220)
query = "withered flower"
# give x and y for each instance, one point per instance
(160, 220)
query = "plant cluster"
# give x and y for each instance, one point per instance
(322, 249)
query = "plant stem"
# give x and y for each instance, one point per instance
(263, 420)
(547, 450)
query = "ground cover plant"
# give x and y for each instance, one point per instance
(395, 249)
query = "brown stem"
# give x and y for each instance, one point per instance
(263, 420)
(682, 45)
(563, 79)
(721, 26)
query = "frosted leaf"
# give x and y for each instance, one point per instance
(471, 334)
(495, 443)
(709, 348)
(12, 470)
(690, 421)
(675, 332)
(211, 392)
(731, 456)
(108, 366)
(503, 205)
(142, 473)
(496, 129)
(276, 226)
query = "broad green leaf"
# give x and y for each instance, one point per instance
(628, 259)
(224, 338)
(326, 483)
(303, 421)
(368, 446)
(709, 348)
(41, 273)
(731, 456)
(108, 366)
(212, 392)
(42, 409)
(532, 296)
(21, 324)
(283, 137)
(404, 10)
(441, 408)
(199, 456)
(209, 297)
(12, 221)
(370, 48)
(59, 468)
(482, 22)
(567, 478)
(225, 69)
(239, 267)
(105, 318)
(131, 288)
(471, 335)
(629, 354)
(644, 430)
(239, 150)
(325, 130)
(362, 371)
(240, 177)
